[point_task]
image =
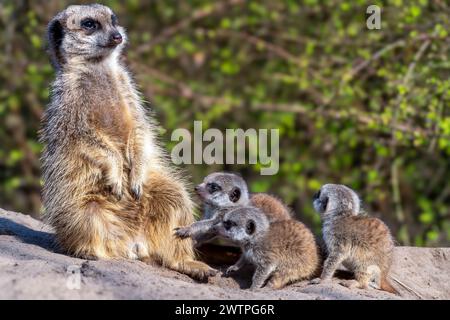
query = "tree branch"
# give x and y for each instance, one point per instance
(183, 24)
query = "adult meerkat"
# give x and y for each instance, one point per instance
(363, 244)
(222, 191)
(108, 190)
(282, 251)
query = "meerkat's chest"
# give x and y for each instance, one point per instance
(109, 104)
(114, 118)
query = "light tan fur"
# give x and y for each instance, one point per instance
(108, 189)
(362, 244)
(273, 208)
(282, 251)
(221, 192)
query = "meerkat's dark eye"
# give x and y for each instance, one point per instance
(250, 227)
(235, 194)
(227, 224)
(90, 24)
(213, 187)
(324, 203)
(114, 20)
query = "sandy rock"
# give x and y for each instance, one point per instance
(31, 267)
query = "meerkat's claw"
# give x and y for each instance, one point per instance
(231, 270)
(136, 192)
(182, 232)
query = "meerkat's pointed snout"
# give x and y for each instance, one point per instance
(115, 38)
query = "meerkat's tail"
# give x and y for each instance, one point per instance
(386, 286)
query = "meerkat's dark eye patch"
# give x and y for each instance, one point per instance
(324, 203)
(235, 194)
(228, 224)
(316, 195)
(90, 24)
(213, 187)
(114, 20)
(250, 227)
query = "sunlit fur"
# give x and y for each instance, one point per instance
(108, 189)
(217, 203)
(282, 251)
(363, 244)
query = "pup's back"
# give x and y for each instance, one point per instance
(273, 208)
(291, 246)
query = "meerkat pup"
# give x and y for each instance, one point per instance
(363, 244)
(220, 192)
(108, 190)
(282, 251)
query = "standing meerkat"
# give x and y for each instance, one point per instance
(363, 244)
(282, 251)
(108, 189)
(222, 191)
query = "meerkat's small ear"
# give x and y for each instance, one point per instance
(235, 194)
(55, 34)
(250, 227)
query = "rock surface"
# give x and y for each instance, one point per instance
(31, 268)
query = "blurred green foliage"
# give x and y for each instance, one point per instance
(367, 108)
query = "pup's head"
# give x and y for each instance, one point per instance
(222, 189)
(242, 225)
(88, 32)
(336, 199)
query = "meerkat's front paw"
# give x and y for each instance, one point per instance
(231, 270)
(183, 232)
(116, 190)
(136, 183)
(136, 191)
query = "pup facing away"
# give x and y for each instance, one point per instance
(282, 251)
(363, 244)
(220, 192)
(108, 189)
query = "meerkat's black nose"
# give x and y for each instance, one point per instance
(115, 38)
(196, 188)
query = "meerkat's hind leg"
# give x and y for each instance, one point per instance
(331, 263)
(261, 275)
(363, 276)
(138, 250)
(278, 280)
(375, 276)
